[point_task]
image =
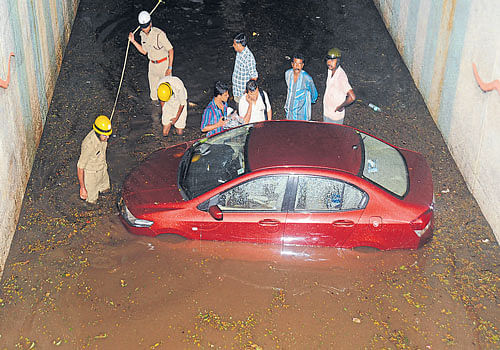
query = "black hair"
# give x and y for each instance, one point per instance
(298, 56)
(145, 25)
(220, 88)
(241, 39)
(251, 85)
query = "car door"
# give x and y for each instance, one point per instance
(251, 212)
(325, 211)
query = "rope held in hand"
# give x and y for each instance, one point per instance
(125, 64)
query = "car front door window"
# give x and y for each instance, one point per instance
(252, 212)
(261, 194)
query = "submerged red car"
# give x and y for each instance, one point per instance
(284, 182)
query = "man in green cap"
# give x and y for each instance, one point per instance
(338, 92)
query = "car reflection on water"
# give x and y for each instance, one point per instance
(360, 259)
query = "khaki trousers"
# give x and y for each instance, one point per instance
(156, 71)
(95, 182)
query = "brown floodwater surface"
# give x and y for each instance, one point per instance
(138, 292)
(76, 279)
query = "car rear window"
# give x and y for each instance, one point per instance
(384, 165)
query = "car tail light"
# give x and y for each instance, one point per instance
(421, 224)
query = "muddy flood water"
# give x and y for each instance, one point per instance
(76, 279)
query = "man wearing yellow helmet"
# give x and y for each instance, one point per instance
(173, 98)
(92, 169)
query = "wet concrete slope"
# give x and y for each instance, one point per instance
(76, 279)
(35, 34)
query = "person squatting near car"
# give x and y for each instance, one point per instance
(254, 105)
(155, 44)
(92, 169)
(301, 90)
(244, 66)
(214, 115)
(338, 91)
(173, 98)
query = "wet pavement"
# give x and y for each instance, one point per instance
(76, 279)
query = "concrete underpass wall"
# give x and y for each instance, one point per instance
(37, 33)
(439, 40)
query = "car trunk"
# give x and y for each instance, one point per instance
(420, 189)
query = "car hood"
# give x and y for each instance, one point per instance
(421, 190)
(154, 182)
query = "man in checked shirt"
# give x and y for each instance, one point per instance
(244, 66)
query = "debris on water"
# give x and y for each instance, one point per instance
(356, 320)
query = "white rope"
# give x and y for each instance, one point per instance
(125, 64)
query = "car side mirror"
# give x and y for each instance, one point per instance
(215, 211)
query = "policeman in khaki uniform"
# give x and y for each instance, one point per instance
(155, 44)
(92, 169)
(173, 97)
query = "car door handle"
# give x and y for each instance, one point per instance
(343, 223)
(269, 222)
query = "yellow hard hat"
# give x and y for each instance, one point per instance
(102, 125)
(164, 92)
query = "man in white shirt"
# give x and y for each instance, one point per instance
(338, 92)
(254, 105)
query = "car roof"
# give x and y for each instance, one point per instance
(304, 144)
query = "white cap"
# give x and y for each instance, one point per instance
(144, 18)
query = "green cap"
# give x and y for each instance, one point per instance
(333, 54)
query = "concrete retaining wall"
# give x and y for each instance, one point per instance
(37, 33)
(439, 40)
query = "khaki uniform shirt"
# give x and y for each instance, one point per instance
(93, 153)
(179, 97)
(156, 44)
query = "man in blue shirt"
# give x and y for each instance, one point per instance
(301, 91)
(244, 66)
(212, 121)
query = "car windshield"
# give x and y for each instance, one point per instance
(384, 165)
(213, 161)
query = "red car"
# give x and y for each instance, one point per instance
(284, 182)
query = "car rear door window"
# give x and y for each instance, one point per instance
(316, 193)
(261, 194)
